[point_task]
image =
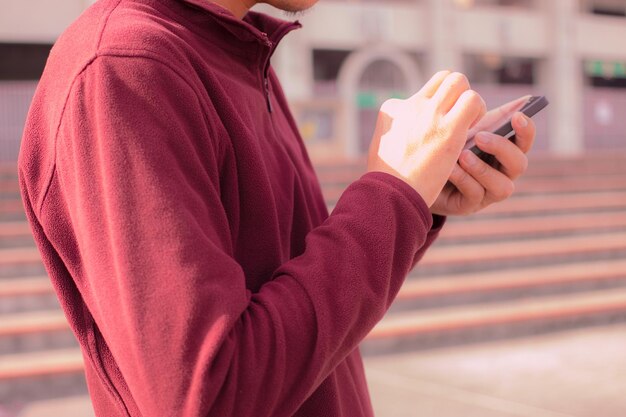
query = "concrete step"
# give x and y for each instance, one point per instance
(14, 229)
(570, 183)
(15, 234)
(555, 204)
(11, 210)
(32, 322)
(33, 331)
(18, 295)
(484, 256)
(428, 328)
(33, 376)
(18, 287)
(485, 227)
(19, 255)
(8, 172)
(50, 362)
(507, 284)
(17, 262)
(592, 163)
(9, 186)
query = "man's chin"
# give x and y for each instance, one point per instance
(295, 13)
(292, 8)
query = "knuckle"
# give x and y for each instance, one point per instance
(474, 99)
(470, 209)
(505, 191)
(461, 177)
(460, 80)
(511, 189)
(517, 167)
(523, 164)
(473, 96)
(481, 169)
(473, 202)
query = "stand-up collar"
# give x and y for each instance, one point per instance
(266, 29)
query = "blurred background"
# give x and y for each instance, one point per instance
(517, 311)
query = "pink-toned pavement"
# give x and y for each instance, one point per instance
(579, 373)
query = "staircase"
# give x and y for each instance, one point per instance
(39, 356)
(550, 258)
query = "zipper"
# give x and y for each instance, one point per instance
(270, 44)
(265, 40)
(266, 82)
(268, 98)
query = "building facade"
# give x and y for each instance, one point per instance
(353, 54)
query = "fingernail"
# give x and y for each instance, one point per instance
(469, 158)
(483, 138)
(522, 120)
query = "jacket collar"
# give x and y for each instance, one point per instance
(254, 26)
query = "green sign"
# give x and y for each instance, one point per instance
(366, 100)
(606, 69)
(371, 100)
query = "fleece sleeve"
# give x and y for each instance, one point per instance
(156, 265)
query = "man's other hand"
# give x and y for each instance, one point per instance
(474, 184)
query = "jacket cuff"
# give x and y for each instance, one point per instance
(409, 193)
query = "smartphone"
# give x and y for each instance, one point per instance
(531, 107)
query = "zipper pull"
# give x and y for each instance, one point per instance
(267, 94)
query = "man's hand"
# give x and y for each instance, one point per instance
(473, 184)
(419, 139)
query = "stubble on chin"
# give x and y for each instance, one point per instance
(292, 14)
(291, 8)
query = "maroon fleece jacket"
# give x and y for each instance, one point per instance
(184, 229)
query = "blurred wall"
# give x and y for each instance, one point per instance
(37, 21)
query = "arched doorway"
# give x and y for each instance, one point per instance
(380, 80)
(366, 79)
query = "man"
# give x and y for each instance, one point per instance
(183, 227)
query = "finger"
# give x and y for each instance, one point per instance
(450, 90)
(497, 186)
(506, 110)
(430, 88)
(498, 116)
(469, 108)
(481, 112)
(525, 131)
(471, 192)
(513, 162)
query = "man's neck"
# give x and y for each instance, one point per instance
(239, 8)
